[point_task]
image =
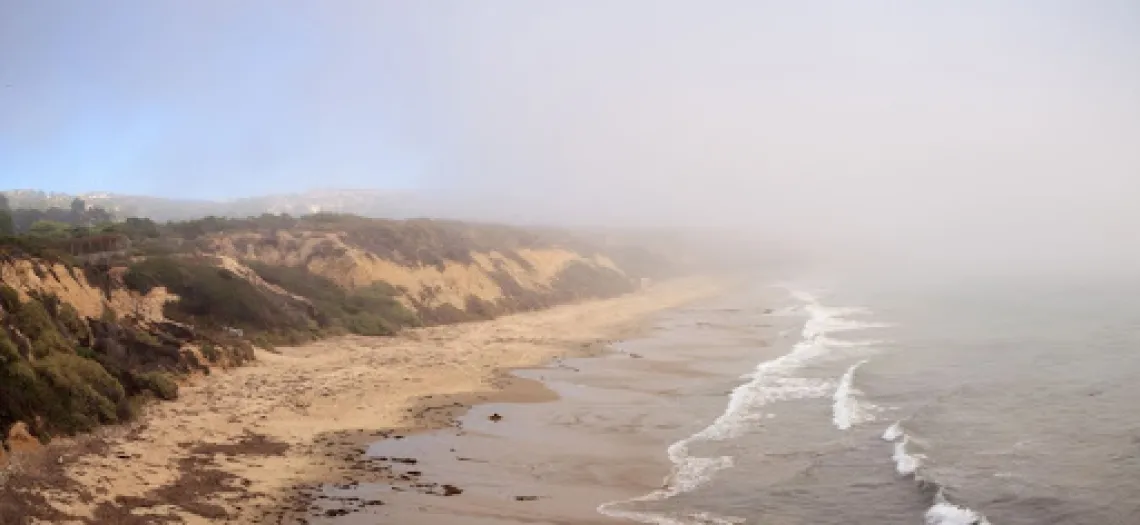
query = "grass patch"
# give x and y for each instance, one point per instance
(158, 383)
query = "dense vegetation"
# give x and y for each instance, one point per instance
(371, 310)
(63, 373)
(50, 221)
(215, 299)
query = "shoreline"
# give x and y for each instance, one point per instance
(248, 444)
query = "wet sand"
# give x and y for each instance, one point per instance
(515, 462)
(255, 444)
(603, 438)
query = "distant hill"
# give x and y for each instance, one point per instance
(366, 203)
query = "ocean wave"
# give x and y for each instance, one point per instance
(941, 511)
(906, 464)
(946, 513)
(893, 432)
(768, 382)
(847, 409)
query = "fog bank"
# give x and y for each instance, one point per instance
(968, 134)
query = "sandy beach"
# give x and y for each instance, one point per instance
(604, 439)
(252, 444)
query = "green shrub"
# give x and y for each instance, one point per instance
(77, 393)
(145, 276)
(69, 317)
(22, 395)
(370, 325)
(580, 280)
(131, 408)
(34, 322)
(158, 383)
(214, 298)
(50, 229)
(32, 319)
(9, 298)
(262, 341)
(210, 352)
(370, 310)
(47, 345)
(9, 353)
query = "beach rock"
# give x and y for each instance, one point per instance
(451, 490)
(21, 440)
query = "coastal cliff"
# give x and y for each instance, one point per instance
(87, 338)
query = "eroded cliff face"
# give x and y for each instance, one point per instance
(475, 283)
(29, 276)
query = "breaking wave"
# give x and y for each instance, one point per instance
(942, 511)
(847, 409)
(768, 382)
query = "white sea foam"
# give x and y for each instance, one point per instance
(945, 513)
(906, 464)
(847, 409)
(768, 382)
(893, 432)
(942, 512)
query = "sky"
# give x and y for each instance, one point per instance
(976, 123)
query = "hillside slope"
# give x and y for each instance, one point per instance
(92, 326)
(445, 271)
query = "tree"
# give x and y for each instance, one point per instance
(7, 226)
(50, 229)
(78, 208)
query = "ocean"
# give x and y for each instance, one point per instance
(1003, 403)
(874, 401)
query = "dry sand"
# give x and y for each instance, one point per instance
(238, 446)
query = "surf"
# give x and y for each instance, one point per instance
(769, 382)
(909, 464)
(846, 409)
